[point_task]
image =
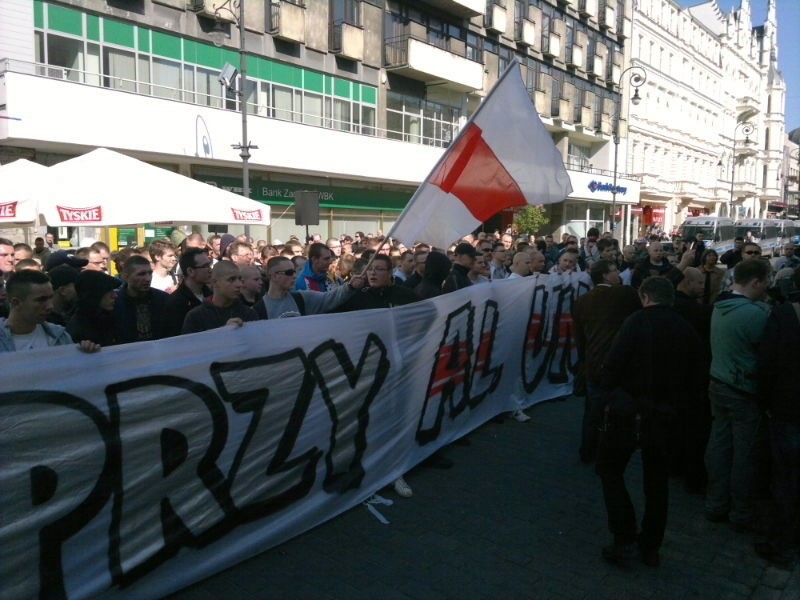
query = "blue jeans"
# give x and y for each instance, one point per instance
(731, 453)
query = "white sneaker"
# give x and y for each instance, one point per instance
(403, 489)
(521, 417)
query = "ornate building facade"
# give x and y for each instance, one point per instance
(707, 137)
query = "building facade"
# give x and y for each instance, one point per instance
(707, 137)
(354, 99)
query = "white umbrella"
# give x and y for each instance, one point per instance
(18, 182)
(106, 189)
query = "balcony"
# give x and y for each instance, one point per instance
(541, 100)
(287, 21)
(687, 189)
(587, 8)
(551, 45)
(575, 58)
(598, 67)
(745, 148)
(614, 74)
(495, 18)
(95, 121)
(584, 116)
(747, 106)
(742, 188)
(347, 40)
(461, 8)
(608, 19)
(208, 8)
(422, 61)
(525, 32)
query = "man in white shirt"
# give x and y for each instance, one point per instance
(162, 254)
(30, 296)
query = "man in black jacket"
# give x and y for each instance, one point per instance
(458, 277)
(225, 306)
(780, 396)
(196, 268)
(652, 362)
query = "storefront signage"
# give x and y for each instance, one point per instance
(93, 214)
(599, 186)
(282, 193)
(8, 210)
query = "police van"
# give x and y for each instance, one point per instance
(764, 232)
(717, 232)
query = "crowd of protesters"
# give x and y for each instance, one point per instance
(687, 359)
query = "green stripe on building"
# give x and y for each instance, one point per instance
(65, 20)
(93, 27)
(143, 36)
(167, 46)
(38, 14)
(282, 194)
(118, 33)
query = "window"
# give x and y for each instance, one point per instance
(209, 90)
(66, 53)
(346, 11)
(166, 79)
(474, 47)
(313, 109)
(119, 69)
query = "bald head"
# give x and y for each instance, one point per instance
(692, 283)
(521, 264)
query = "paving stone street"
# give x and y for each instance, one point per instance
(518, 516)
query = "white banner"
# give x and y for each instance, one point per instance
(141, 469)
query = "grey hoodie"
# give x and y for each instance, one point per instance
(56, 336)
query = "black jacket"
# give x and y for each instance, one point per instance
(180, 302)
(457, 279)
(385, 297)
(655, 357)
(779, 354)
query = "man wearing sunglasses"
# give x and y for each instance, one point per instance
(282, 300)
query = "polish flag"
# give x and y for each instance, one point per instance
(504, 157)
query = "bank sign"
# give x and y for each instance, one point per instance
(600, 188)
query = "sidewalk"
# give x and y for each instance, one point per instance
(518, 516)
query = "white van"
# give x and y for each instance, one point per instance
(717, 232)
(764, 232)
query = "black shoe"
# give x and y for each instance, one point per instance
(464, 441)
(587, 457)
(649, 556)
(741, 526)
(498, 419)
(618, 554)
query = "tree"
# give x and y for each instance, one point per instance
(531, 219)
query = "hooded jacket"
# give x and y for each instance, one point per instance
(308, 280)
(737, 325)
(56, 336)
(437, 266)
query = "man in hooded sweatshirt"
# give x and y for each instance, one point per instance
(737, 325)
(94, 318)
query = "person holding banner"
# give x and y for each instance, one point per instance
(282, 300)
(224, 307)
(30, 296)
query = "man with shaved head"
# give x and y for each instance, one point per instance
(225, 306)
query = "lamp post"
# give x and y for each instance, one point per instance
(636, 77)
(747, 129)
(218, 36)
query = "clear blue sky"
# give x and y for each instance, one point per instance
(788, 46)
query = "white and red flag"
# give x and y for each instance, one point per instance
(504, 157)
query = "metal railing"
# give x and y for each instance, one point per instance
(217, 101)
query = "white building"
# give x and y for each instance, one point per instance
(354, 99)
(712, 80)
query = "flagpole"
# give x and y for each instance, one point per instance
(514, 64)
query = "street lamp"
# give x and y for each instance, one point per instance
(636, 77)
(747, 129)
(218, 36)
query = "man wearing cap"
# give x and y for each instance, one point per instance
(61, 257)
(65, 296)
(458, 277)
